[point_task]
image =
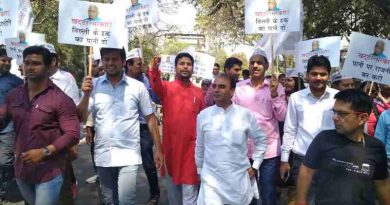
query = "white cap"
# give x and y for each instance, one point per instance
(50, 47)
(291, 72)
(135, 53)
(337, 76)
(258, 51)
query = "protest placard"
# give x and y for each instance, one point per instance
(167, 64)
(203, 65)
(328, 47)
(25, 16)
(15, 46)
(272, 16)
(368, 59)
(92, 24)
(141, 15)
(8, 19)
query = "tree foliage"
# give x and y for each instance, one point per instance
(225, 18)
(46, 21)
(173, 46)
(333, 17)
(242, 56)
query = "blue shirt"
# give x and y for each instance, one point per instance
(381, 55)
(7, 83)
(153, 96)
(115, 110)
(382, 131)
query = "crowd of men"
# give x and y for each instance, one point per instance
(229, 142)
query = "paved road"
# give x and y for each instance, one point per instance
(87, 193)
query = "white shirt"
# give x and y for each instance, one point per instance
(306, 117)
(221, 154)
(115, 111)
(66, 82)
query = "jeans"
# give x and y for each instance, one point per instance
(46, 193)
(148, 160)
(7, 147)
(118, 184)
(269, 171)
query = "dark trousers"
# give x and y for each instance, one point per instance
(7, 175)
(66, 195)
(269, 171)
(148, 160)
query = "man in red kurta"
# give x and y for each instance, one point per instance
(181, 101)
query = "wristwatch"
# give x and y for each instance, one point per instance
(46, 151)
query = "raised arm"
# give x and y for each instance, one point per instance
(155, 78)
(279, 104)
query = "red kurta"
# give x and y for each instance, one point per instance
(181, 104)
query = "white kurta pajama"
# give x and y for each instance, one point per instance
(221, 155)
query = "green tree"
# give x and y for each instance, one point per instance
(220, 55)
(333, 17)
(243, 58)
(46, 21)
(173, 46)
(225, 19)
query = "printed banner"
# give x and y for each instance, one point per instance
(167, 64)
(16, 46)
(141, 15)
(25, 16)
(272, 16)
(328, 47)
(203, 66)
(9, 10)
(92, 24)
(368, 59)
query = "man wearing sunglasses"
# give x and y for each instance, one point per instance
(350, 165)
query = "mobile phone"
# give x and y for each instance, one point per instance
(286, 176)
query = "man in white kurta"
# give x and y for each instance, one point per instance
(227, 176)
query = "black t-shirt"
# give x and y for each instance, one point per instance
(346, 169)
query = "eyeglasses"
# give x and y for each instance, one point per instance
(343, 115)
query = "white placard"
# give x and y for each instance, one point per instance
(368, 59)
(328, 47)
(92, 24)
(203, 66)
(25, 16)
(141, 14)
(8, 19)
(272, 16)
(167, 64)
(16, 46)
